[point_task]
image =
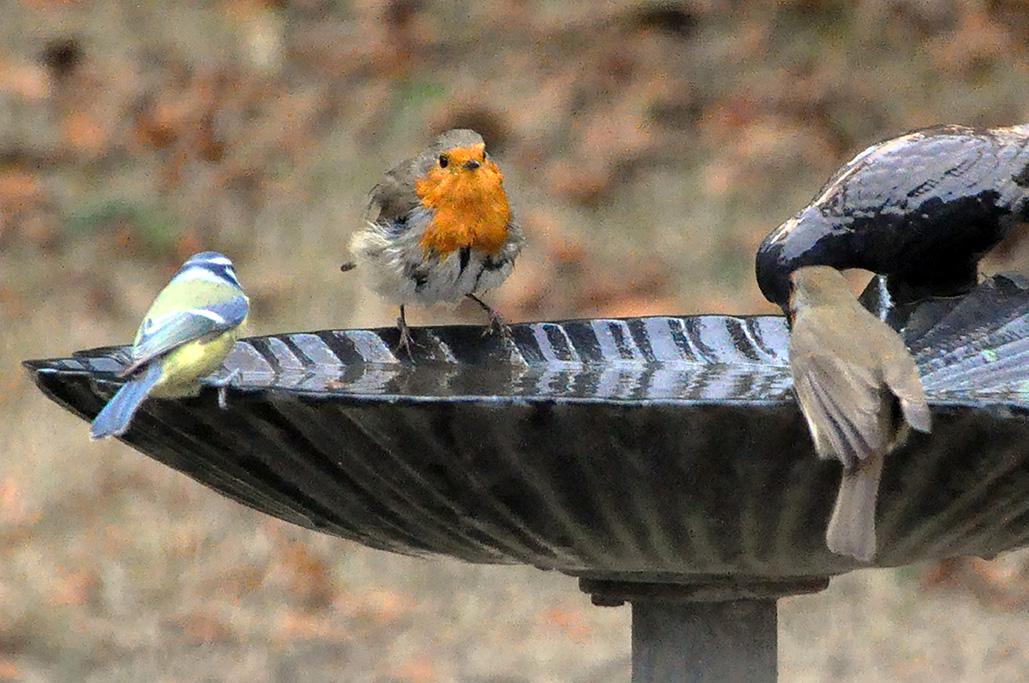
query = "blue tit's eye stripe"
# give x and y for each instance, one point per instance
(207, 259)
(223, 270)
(230, 273)
(216, 273)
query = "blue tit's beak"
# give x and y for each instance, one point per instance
(471, 164)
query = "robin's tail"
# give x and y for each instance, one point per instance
(851, 528)
(116, 416)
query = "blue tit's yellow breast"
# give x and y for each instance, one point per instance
(183, 367)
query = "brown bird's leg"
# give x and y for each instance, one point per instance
(406, 340)
(496, 321)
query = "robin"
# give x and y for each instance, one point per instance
(859, 390)
(439, 229)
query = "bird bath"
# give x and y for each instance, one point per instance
(662, 461)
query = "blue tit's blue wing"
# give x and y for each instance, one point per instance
(175, 329)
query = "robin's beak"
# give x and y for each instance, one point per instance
(471, 164)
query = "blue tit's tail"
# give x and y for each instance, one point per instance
(114, 419)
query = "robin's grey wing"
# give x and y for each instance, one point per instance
(843, 404)
(394, 197)
(163, 334)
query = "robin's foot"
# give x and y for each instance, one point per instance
(497, 324)
(222, 385)
(406, 341)
(406, 338)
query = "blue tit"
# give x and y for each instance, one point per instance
(187, 333)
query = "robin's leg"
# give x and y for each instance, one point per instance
(222, 385)
(496, 322)
(406, 340)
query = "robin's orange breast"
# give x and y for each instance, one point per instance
(469, 205)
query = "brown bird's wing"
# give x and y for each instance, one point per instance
(843, 404)
(901, 375)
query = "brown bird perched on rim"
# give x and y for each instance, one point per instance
(439, 229)
(859, 390)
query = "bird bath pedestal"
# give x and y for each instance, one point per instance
(718, 630)
(662, 461)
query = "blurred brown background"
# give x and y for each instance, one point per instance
(648, 148)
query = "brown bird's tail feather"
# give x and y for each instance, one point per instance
(851, 528)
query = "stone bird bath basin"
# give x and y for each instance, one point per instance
(662, 461)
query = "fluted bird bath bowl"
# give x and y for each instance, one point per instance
(662, 461)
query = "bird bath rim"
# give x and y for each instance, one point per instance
(606, 482)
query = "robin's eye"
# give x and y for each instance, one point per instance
(443, 161)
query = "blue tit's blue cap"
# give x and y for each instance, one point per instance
(213, 257)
